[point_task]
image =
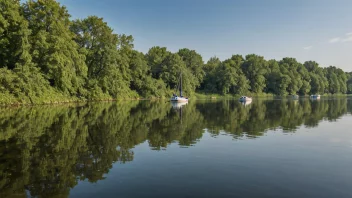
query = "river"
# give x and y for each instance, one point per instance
(207, 148)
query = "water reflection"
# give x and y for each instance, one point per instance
(178, 105)
(45, 151)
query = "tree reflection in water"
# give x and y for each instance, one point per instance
(46, 150)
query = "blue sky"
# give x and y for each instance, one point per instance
(319, 30)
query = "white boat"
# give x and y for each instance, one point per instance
(245, 99)
(315, 96)
(180, 98)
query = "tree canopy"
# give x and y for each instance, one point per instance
(48, 57)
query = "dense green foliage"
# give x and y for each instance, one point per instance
(46, 151)
(46, 57)
(349, 82)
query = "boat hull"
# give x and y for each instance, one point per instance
(316, 97)
(179, 100)
(245, 99)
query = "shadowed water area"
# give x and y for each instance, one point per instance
(221, 148)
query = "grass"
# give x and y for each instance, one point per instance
(337, 95)
(200, 95)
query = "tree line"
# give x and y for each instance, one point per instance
(48, 57)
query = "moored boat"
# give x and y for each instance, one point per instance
(180, 98)
(245, 99)
(315, 96)
(176, 98)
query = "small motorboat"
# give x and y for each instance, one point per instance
(315, 96)
(245, 99)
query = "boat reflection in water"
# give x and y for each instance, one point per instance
(101, 149)
(178, 105)
(295, 97)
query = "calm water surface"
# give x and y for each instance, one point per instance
(221, 148)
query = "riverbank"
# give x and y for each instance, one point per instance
(57, 98)
(229, 96)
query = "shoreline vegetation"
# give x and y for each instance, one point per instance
(196, 96)
(48, 58)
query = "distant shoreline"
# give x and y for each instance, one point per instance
(197, 96)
